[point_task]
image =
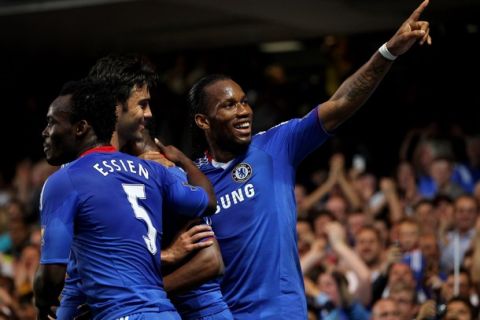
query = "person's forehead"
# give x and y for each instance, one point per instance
(303, 224)
(386, 305)
(366, 234)
(139, 92)
(462, 277)
(223, 89)
(61, 104)
(408, 226)
(140, 88)
(464, 201)
(400, 268)
(458, 306)
(401, 293)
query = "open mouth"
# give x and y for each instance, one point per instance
(243, 127)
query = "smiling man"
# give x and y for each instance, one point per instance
(254, 178)
(111, 223)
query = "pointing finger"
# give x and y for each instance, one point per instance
(416, 14)
(159, 144)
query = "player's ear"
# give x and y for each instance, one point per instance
(202, 121)
(118, 109)
(81, 127)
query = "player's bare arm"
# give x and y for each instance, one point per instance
(354, 91)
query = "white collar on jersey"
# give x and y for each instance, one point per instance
(222, 165)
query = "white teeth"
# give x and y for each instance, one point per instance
(244, 125)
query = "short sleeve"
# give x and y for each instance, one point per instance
(58, 205)
(182, 197)
(295, 138)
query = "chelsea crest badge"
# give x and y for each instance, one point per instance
(242, 172)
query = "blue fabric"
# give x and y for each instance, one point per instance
(222, 315)
(106, 209)
(5, 242)
(355, 312)
(256, 218)
(152, 316)
(204, 300)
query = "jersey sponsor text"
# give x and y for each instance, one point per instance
(227, 200)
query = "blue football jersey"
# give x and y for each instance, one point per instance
(204, 300)
(72, 296)
(106, 207)
(256, 218)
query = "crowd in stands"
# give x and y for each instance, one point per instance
(412, 238)
(400, 246)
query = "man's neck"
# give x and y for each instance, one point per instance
(88, 147)
(115, 141)
(222, 156)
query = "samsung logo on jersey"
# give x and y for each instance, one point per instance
(235, 197)
(108, 166)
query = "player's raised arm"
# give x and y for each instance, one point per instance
(354, 91)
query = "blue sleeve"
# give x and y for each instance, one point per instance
(58, 205)
(72, 292)
(182, 197)
(357, 312)
(295, 138)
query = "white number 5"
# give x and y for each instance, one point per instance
(135, 192)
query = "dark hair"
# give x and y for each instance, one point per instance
(466, 302)
(464, 271)
(341, 281)
(372, 229)
(317, 213)
(124, 72)
(92, 101)
(421, 202)
(197, 104)
(439, 198)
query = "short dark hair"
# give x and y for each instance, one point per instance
(464, 271)
(92, 101)
(197, 104)
(466, 302)
(124, 72)
(372, 229)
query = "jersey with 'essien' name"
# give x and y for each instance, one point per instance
(107, 208)
(255, 221)
(204, 300)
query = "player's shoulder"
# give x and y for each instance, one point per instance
(57, 186)
(60, 176)
(279, 128)
(177, 171)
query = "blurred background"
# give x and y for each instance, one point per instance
(288, 56)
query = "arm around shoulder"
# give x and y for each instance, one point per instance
(194, 176)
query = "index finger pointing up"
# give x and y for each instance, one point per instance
(159, 144)
(416, 14)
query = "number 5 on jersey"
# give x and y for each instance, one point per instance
(135, 192)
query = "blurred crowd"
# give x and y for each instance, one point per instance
(20, 238)
(406, 244)
(398, 246)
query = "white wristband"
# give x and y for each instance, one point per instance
(385, 53)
